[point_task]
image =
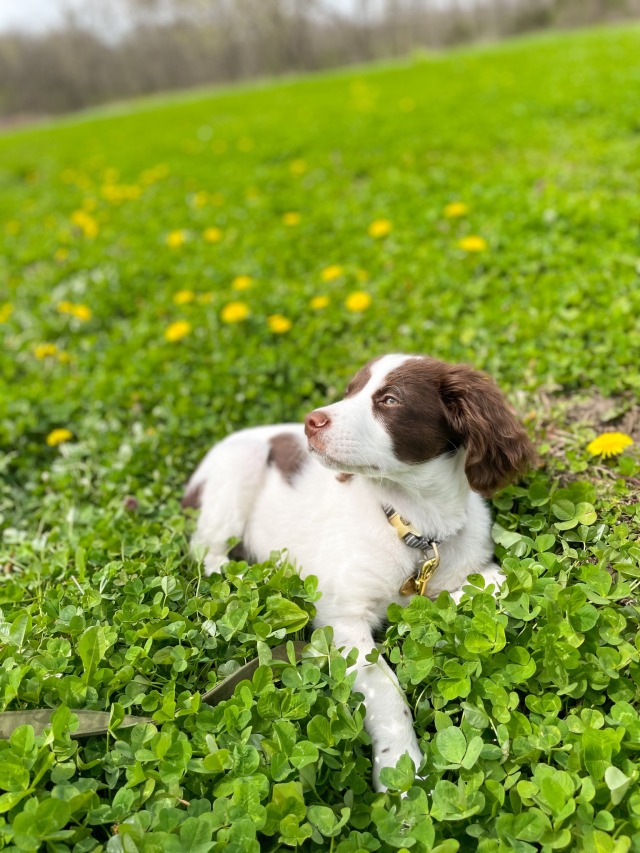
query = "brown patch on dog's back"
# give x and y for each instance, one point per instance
(343, 477)
(287, 454)
(191, 500)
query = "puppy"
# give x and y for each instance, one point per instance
(381, 500)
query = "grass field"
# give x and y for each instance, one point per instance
(173, 271)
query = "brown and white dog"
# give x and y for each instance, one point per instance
(415, 434)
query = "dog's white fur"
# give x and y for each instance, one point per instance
(338, 531)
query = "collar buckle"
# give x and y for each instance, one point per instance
(412, 537)
(417, 584)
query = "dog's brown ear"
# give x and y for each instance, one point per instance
(498, 448)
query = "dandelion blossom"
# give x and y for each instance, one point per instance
(58, 436)
(6, 311)
(380, 228)
(297, 167)
(183, 296)
(609, 444)
(177, 331)
(212, 235)
(292, 218)
(42, 351)
(175, 239)
(455, 209)
(279, 324)
(473, 244)
(358, 301)
(77, 310)
(319, 302)
(331, 273)
(87, 224)
(242, 282)
(234, 312)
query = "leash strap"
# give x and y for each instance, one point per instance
(97, 722)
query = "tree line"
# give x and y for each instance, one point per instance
(110, 49)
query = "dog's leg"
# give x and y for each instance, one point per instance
(230, 477)
(388, 719)
(493, 574)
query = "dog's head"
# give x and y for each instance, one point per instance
(402, 410)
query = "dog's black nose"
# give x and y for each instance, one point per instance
(315, 421)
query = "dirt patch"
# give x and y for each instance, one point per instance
(606, 414)
(557, 413)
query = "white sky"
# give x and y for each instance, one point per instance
(38, 15)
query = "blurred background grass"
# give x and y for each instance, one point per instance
(120, 224)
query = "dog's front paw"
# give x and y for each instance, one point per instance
(214, 562)
(388, 756)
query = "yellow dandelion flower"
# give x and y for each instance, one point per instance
(12, 227)
(473, 244)
(319, 302)
(79, 311)
(82, 312)
(58, 436)
(64, 357)
(242, 282)
(177, 331)
(358, 301)
(609, 444)
(234, 312)
(362, 275)
(331, 273)
(297, 167)
(110, 192)
(61, 254)
(175, 239)
(455, 209)
(380, 228)
(183, 296)
(291, 218)
(212, 235)
(6, 311)
(200, 198)
(279, 324)
(42, 351)
(86, 223)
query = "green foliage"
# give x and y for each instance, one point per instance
(526, 704)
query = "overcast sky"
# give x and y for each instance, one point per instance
(42, 14)
(32, 14)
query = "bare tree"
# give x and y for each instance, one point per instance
(118, 48)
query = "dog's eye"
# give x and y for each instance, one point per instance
(390, 400)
